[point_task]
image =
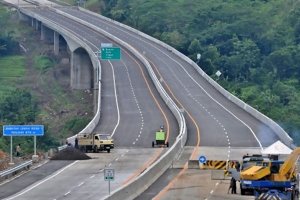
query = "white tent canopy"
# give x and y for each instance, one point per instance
(276, 149)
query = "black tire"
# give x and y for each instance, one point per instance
(243, 192)
(152, 144)
(108, 150)
(167, 144)
(95, 150)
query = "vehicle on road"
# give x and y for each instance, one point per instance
(95, 142)
(160, 138)
(269, 178)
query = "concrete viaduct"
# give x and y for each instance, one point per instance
(84, 69)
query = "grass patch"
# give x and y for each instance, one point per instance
(12, 66)
(11, 69)
(43, 63)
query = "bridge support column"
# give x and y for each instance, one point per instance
(23, 17)
(81, 70)
(32, 22)
(46, 34)
(56, 43)
(37, 25)
(42, 32)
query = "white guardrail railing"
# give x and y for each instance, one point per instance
(12, 171)
(261, 117)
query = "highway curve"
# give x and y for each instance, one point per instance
(212, 119)
(141, 109)
(131, 110)
(214, 115)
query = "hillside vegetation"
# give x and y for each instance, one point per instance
(255, 44)
(34, 88)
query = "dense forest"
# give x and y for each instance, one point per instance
(255, 44)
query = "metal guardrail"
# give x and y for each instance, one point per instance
(15, 169)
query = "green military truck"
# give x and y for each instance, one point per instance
(95, 142)
(160, 138)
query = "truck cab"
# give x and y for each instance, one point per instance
(95, 142)
(248, 162)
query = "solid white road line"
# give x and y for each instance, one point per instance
(41, 182)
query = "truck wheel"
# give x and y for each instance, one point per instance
(95, 149)
(167, 144)
(152, 144)
(81, 149)
(243, 192)
(108, 150)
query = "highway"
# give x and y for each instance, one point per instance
(131, 111)
(212, 119)
(211, 111)
(131, 106)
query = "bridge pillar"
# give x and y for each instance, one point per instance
(23, 17)
(33, 22)
(42, 32)
(37, 25)
(47, 34)
(56, 43)
(81, 70)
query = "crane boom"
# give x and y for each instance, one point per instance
(288, 166)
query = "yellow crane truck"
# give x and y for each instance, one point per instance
(95, 142)
(272, 179)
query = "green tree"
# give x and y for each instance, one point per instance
(18, 107)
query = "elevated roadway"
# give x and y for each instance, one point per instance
(131, 111)
(131, 105)
(212, 119)
(208, 111)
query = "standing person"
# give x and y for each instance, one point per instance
(76, 143)
(230, 187)
(18, 150)
(233, 185)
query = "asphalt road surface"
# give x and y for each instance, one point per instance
(82, 179)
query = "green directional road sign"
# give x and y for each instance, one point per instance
(109, 174)
(111, 53)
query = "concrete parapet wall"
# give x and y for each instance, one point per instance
(284, 137)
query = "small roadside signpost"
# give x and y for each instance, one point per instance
(202, 159)
(22, 130)
(109, 175)
(218, 74)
